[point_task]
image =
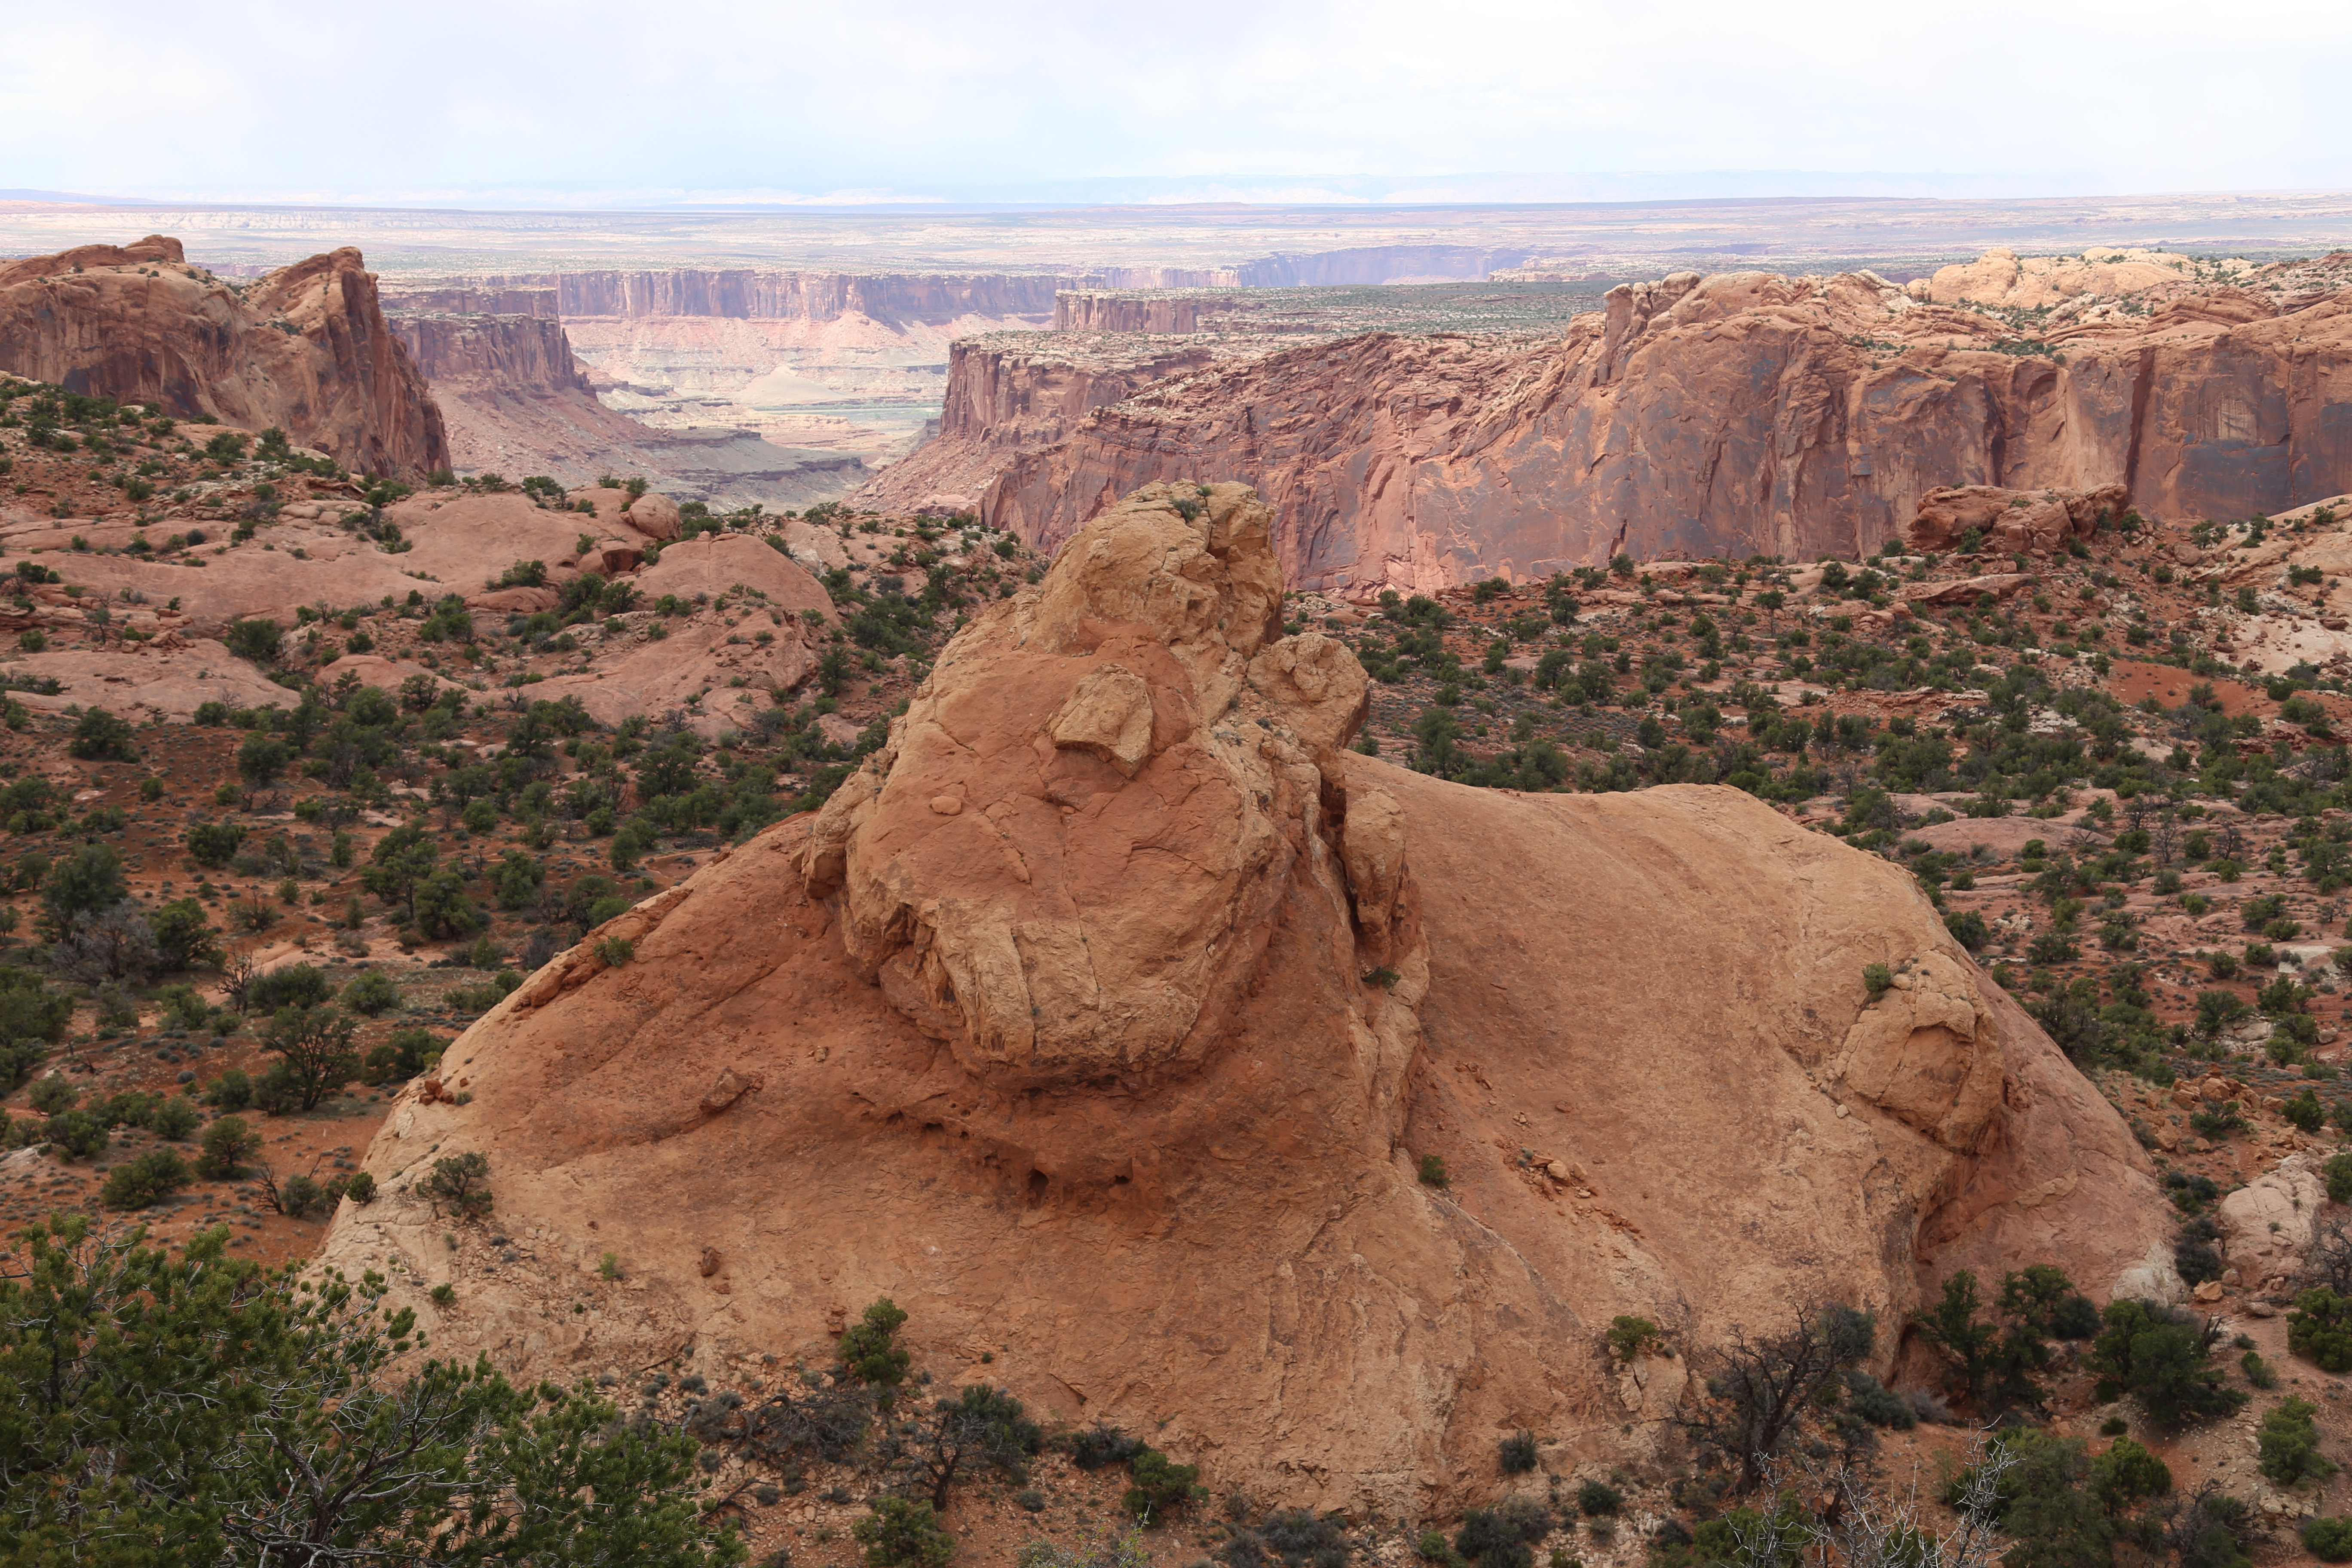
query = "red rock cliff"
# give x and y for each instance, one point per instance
(1735, 414)
(305, 348)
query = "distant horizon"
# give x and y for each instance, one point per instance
(1408, 195)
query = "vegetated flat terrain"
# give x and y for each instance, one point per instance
(514, 826)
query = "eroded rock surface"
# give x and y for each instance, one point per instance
(1102, 1019)
(304, 348)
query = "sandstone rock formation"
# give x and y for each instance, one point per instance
(2010, 520)
(1747, 412)
(305, 348)
(2000, 277)
(1102, 1019)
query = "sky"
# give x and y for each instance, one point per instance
(721, 102)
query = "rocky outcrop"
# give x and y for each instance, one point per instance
(1016, 392)
(1744, 413)
(305, 348)
(1102, 1019)
(2010, 520)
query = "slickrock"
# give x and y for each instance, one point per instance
(1104, 1018)
(304, 348)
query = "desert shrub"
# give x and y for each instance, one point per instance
(2287, 1445)
(1503, 1534)
(1159, 1484)
(899, 1533)
(173, 1117)
(870, 1351)
(2159, 1357)
(458, 1180)
(315, 1057)
(1595, 1499)
(99, 735)
(149, 1178)
(76, 1133)
(372, 994)
(299, 1196)
(1876, 1404)
(399, 1058)
(2338, 1172)
(52, 1094)
(2320, 1328)
(1517, 1454)
(360, 1188)
(228, 1144)
(1432, 1171)
(2329, 1539)
(213, 844)
(233, 1090)
(296, 985)
(256, 640)
(1102, 1444)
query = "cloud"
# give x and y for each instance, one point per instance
(724, 101)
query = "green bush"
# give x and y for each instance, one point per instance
(2287, 1446)
(147, 1179)
(400, 1057)
(372, 994)
(212, 845)
(99, 735)
(2338, 1172)
(1597, 1499)
(52, 1094)
(256, 640)
(1159, 1484)
(457, 1180)
(2159, 1357)
(1432, 1171)
(2329, 1540)
(1517, 1454)
(1876, 979)
(228, 1144)
(871, 1351)
(296, 985)
(78, 1134)
(900, 1533)
(360, 1188)
(174, 1117)
(233, 1090)
(2320, 1328)
(2307, 1111)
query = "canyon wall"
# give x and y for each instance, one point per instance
(305, 348)
(745, 294)
(1010, 393)
(1744, 413)
(519, 401)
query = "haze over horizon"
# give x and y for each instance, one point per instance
(914, 102)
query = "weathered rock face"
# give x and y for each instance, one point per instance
(2010, 520)
(1102, 1019)
(305, 348)
(1014, 392)
(1723, 415)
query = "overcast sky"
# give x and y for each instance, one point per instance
(488, 101)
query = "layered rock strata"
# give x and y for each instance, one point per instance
(1743, 413)
(305, 348)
